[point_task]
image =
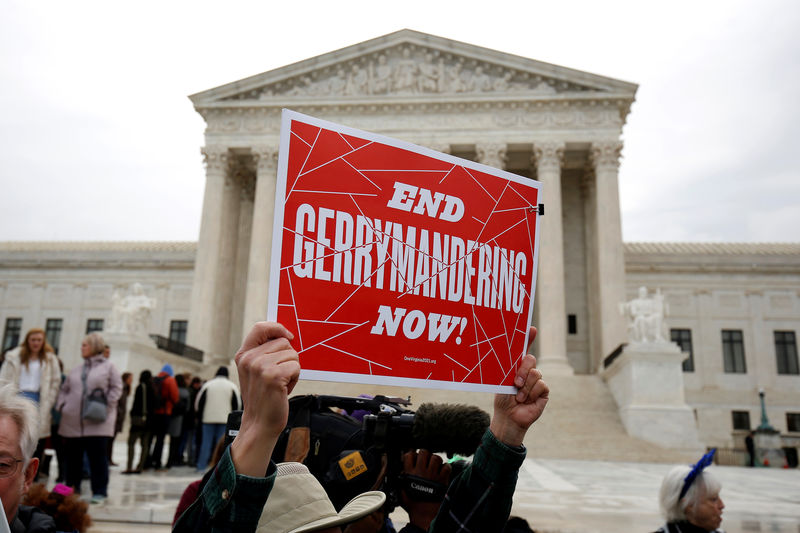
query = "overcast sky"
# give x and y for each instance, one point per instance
(100, 142)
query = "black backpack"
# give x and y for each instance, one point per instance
(158, 392)
(180, 408)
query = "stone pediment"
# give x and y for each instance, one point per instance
(408, 64)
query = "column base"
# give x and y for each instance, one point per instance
(554, 365)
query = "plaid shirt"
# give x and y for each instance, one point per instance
(228, 502)
(479, 499)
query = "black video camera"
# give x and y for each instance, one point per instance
(350, 456)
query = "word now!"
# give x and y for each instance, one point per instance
(439, 326)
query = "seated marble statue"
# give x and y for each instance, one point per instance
(131, 314)
(645, 316)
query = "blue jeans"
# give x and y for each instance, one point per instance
(211, 435)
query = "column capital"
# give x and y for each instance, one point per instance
(605, 155)
(265, 158)
(492, 154)
(548, 155)
(215, 158)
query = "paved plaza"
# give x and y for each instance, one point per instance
(554, 495)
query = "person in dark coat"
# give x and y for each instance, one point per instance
(122, 406)
(751, 449)
(141, 422)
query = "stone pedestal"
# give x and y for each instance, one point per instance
(134, 353)
(646, 381)
(768, 449)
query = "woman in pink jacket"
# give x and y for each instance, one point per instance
(95, 379)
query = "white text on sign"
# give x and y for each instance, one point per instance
(340, 247)
(403, 199)
(439, 326)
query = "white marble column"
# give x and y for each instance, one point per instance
(491, 154)
(203, 320)
(609, 259)
(245, 180)
(258, 272)
(550, 291)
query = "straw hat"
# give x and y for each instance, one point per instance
(298, 503)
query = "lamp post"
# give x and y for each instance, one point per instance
(765, 426)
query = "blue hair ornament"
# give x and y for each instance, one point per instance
(697, 469)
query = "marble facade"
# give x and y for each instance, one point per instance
(558, 125)
(532, 118)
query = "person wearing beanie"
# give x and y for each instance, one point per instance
(216, 399)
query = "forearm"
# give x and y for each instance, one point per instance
(480, 498)
(251, 451)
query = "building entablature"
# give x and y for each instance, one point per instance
(422, 81)
(710, 258)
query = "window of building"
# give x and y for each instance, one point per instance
(786, 352)
(572, 324)
(683, 338)
(11, 333)
(733, 351)
(793, 422)
(177, 330)
(741, 420)
(52, 332)
(94, 324)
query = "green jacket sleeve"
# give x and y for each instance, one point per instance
(480, 498)
(228, 502)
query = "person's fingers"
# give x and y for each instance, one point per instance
(423, 459)
(262, 332)
(409, 460)
(294, 379)
(526, 364)
(444, 473)
(533, 376)
(275, 350)
(540, 390)
(532, 331)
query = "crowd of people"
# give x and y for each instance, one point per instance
(243, 489)
(79, 413)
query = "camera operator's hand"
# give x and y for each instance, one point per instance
(268, 371)
(426, 465)
(514, 414)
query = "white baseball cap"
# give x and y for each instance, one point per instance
(298, 504)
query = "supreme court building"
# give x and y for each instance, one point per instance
(734, 309)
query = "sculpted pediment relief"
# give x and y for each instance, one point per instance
(408, 64)
(411, 70)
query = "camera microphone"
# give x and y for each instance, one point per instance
(450, 428)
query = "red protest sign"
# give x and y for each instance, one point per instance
(399, 265)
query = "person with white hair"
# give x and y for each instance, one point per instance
(18, 438)
(690, 500)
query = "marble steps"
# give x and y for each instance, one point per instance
(582, 422)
